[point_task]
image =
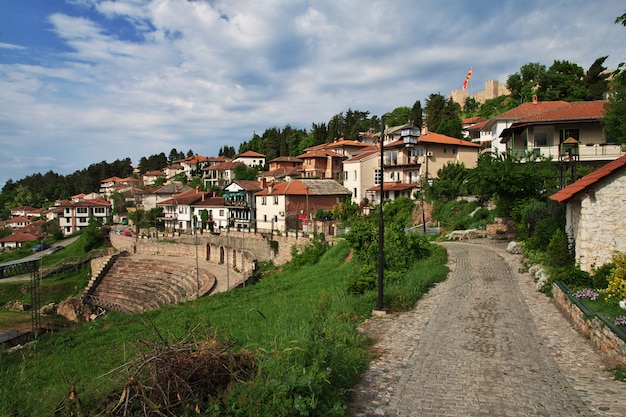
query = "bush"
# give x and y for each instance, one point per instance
(600, 276)
(617, 279)
(559, 252)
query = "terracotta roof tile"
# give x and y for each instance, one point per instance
(589, 180)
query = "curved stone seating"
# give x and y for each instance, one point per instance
(140, 283)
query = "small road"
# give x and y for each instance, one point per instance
(484, 343)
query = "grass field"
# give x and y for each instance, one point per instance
(298, 327)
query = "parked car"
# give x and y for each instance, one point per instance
(40, 246)
(126, 233)
(54, 249)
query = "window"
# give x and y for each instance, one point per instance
(541, 138)
(355, 174)
(275, 200)
(99, 210)
(345, 175)
(377, 176)
(419, 151)
(221, 213)
(445, 150)
(265, 217)
(275, 219)
(570, 133)
(354, 193)
(263, 201)
(81, 210)
(82, 220)
(454, 150)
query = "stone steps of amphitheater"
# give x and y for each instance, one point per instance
(136, 284)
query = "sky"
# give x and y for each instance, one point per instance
(85, 81)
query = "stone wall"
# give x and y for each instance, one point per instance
(244, 249)
(597, 223)
(612, 347)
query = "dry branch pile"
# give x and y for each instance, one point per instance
(173, 379)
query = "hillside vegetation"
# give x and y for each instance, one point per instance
(286, 346)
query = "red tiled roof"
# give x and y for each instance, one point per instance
(432, 137)
(589, 180)
(251, 154)
(223, 167)
(249, 185)
(363, 155)
(320, 153)
(529, 109)
(19, 237)
(306, 187)
(581, 110)
(394, 186)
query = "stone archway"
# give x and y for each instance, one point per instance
(221, 255)
(208, 252)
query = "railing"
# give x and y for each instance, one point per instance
(588, 152)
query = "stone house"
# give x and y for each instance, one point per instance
(595, 222)
(292, 204)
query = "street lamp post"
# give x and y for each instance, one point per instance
(409, 135)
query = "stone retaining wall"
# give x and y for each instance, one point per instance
(243, 248)
(612, 347)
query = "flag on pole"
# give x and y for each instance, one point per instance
(469, 75)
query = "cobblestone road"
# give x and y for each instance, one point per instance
(484, 343)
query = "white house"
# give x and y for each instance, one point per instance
(359, 174)
(216, 211)
(76, 214)
(595, 221)
(291, 204)
(251, 159)
(239, 198)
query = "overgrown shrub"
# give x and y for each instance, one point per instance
(573, 276)
(308, 254)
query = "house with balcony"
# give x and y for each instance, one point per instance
(221, 174)
(408, 163)
(178, 211)
(292, 204)
(543, 128)
(322, 163)
(76, 214)
(150, 197)
(241, 203)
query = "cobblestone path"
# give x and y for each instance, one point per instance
(484, 343)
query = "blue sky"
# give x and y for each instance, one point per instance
(82, 81)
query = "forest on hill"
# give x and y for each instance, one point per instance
(563, 80)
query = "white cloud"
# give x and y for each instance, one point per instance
(138, 77)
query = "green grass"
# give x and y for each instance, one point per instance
(299, 325)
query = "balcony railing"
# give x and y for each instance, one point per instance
(596, 151)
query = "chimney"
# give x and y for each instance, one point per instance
(263, 182)
(535, 99)
(424, 129)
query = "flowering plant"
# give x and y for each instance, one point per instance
(587, 293)
(620, 321)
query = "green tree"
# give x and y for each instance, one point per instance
(615, 109)
(524, 84)
(435, 106)
(596, 80)
(243, 172)
(450, 182)
(563, 81)
(416, 115)
(508, 179)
